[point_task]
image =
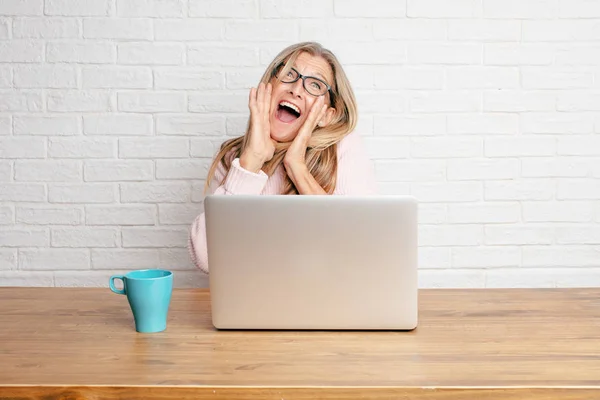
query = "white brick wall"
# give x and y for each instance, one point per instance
(488, 111)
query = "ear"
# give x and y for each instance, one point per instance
(326, 120)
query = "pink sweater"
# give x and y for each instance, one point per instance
(355, 176)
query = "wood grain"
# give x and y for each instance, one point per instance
(485, 344)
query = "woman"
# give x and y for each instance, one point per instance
(299, 138)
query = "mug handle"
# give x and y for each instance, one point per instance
(111, 283)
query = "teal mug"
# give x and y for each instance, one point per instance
(149, 294)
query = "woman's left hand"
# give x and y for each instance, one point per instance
(295, 155)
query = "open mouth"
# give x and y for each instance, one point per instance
(287, 112)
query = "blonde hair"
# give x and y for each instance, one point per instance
(321, 153)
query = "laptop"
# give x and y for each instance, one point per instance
(312, 262)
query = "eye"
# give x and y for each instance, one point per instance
(316, 85)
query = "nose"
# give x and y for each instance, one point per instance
(297, 88)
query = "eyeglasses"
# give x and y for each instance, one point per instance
(312, 85)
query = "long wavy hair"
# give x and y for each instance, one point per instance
(321, 153)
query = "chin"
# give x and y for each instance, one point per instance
(282, 132)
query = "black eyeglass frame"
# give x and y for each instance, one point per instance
(304, 77)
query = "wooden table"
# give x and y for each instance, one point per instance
(79, 343)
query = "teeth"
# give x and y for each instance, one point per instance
(290, 105)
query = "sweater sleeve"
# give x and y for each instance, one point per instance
(356, 174)
(237, 181)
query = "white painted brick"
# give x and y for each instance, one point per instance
(22, 147)
(78, 101)
(516, 146)
(84, 8)
(218, 103)
(412, 125)
(442, 9)
(198, 194)
(561, 256)
(7, 216)
(410, 29)
(118, 170)
(524, 189)
(410, 170)
(447, 192)
(236, 125)
(186, 124)
(439, 147)
(387, 78)
(118, 124)
(304, 9)
(555, 167)
(21, 51)
(190, 279)
(82, 148)
(182, 169)
(477, 124)
(544, 278)
(139, 214)
(263, 30)
(150, 53)
(520, 9)
(484, 30)
(82, 279)
(22, 192)
(372, 53)
(118, 29)
(585, 145)
(450, 235)
(8, 260)
(375, 8)
(579, 9)
(573, 101)
(168, 192)
(177, 214)
(47, 125)
(364, 127)
(46, 28)
(81, 193)
(518, 54)
(338, 30)
(5, 171)
(151, 102)
(381, 148)
(155, 237)
(489, 213)
(559, 211)
(555, 78)
(6, 77)
(177, 259)
(5, 125)
(475, 77)
(22, 7)
(516, 234)
(243, 79)
(223, 8)
(195, 29)
(87, 52)
(486, 257)
(54, 259)
(84, 237)
(24, 237)
(48, 216)
(4, 28)
(361, 77)
(447, 101)
(150, 8)
(518, 101)
(433, 53)
(154, 148)
(393, 188)
(222, 55)
(48, 171)
(433, 213)
(558, 123)
(578, 55)
(578, 189)
(434, 257)
(26, 279)
(454, 278)
(380, 102)
(188, 79)
(125, 259)
(482, 169)
(53, 76)
(560, 31)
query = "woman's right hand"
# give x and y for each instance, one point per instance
(260, 147)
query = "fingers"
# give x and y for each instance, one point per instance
(267, 104)
(252, 100)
